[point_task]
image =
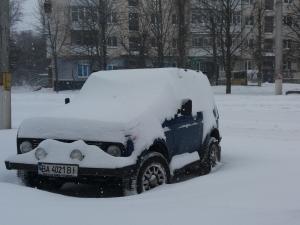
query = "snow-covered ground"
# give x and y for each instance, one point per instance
(257, 183)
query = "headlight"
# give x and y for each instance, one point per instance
(25, 147)
(76, 154)
(40, 153)
(114, 151)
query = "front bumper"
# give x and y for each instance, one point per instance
(123, 172)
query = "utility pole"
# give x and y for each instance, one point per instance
(278, 49)
(5, 76)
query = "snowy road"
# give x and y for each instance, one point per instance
(257, 183)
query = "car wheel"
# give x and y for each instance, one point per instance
(49, 185)
(27, 178)
(211, 156)
(154, 171)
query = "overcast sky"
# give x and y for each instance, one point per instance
(29, 15)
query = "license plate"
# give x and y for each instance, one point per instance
(57, 170)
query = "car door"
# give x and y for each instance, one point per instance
(184, 133)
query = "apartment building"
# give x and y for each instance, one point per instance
(291, 66)
(124, 41)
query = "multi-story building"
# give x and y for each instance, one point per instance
(77, 56)
(291, 66)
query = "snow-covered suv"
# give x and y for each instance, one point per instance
(138, 126)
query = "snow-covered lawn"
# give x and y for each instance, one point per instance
(257, 183)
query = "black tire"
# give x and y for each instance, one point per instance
(30, 179)
(153, 172)
(27, 178)
(211, 156)
(48, 185)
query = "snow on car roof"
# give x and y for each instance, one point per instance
(122, 95)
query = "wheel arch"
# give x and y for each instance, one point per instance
(159, 146)
(216, 134)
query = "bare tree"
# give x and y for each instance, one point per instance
(182, 21)
(54, 24)
(15, 12)
(292, 24)
(258, 55)
(97, 20)
(136, 38)
(210, 23)
(28, 58)
(231, 33)
(159, 15)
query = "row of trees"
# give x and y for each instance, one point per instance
(159, 30)
(27, 50)
(292, 22)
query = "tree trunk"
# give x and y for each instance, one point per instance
(161, 57)
(160, 44)
(259, 55)
(56, 71)
(228, 79)
(215, 78)
(182, 33)
(228, 45)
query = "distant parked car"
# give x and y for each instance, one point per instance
(291, 92)
(135, 126)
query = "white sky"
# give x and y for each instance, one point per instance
(29, 19)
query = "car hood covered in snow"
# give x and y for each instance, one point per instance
(115, 104)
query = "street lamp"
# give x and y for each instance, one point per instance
(278, 48)
(5, 76)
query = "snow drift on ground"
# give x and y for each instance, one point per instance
(258, 182)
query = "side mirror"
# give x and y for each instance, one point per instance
(186, 107)
(67, 101)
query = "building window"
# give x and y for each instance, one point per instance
(287, 44)
(133, 2)
(79, 13)
(236, 18)
(153, 42)
(250, 43)
(201, 42)
(75, 13)
(250, 20)
(287, 65)
(249, 65)
(174, 19)
(112, 41)
(288, 1)
(247, 2)
(174, 43)
(198, 18)
(288, 20)
(83, 37)
(112, 18)
(203, 67)
(110, 67)
(155, 19)
(269, 24)
(268, 45)
(83, 70)
(197, 42)
(269, 4)
(134, 43)
(133, 21)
